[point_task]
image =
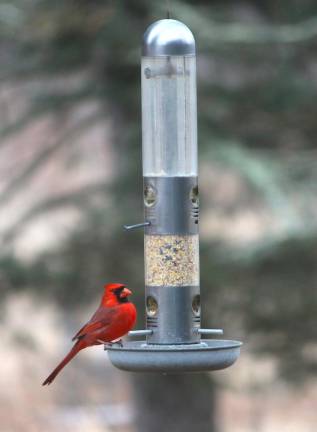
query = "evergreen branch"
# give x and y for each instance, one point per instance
(212, 33)
(259, 250)
(19, 124)
(23, 177)
(75, 198)
(46, 103)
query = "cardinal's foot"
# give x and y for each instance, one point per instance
(106, 344)
(119, 342)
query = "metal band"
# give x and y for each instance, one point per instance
(177, 314)
(171, 205)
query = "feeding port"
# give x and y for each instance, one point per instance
(171, 207)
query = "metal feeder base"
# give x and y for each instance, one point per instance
(208, 355)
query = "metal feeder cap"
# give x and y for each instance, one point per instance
(168, 37)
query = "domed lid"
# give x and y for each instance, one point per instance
(168, 37)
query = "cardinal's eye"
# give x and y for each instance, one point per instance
(117, 290)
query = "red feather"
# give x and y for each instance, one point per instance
(112, 320)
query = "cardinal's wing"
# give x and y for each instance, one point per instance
(101, 319)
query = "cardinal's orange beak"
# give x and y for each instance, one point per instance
(125, 293)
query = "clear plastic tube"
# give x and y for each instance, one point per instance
(169, 116)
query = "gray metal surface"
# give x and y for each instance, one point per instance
(144, 332)
(175, 321)
(209, 355)
(168, 37)
(136, 226)
(137, 333)
(210, 331)
(174, 211)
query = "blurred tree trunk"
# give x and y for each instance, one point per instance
(176, 403)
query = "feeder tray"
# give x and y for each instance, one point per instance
(208, 355)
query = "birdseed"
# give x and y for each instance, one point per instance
(171, 260)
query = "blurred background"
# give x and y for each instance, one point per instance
(70, 177)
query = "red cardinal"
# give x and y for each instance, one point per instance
(113, 319)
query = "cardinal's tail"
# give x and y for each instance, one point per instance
(77, 347)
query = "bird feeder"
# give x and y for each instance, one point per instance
(171, 202)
